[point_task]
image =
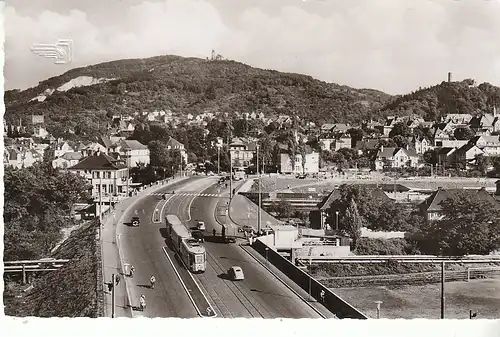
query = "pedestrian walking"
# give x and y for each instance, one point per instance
(322, 295)
(132, 270)
(110, 286)
(142, 302)
(117, 279)
(213, 232)
(152, 280)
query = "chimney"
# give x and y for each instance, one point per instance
(449, 77)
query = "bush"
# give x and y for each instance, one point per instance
(368, 246)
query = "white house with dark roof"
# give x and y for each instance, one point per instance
(311, 162)
(19, 157)
(173, 144)
(490, 145)
(109, 177)
(395, 157)
(67, 160)
(466, 155)
(133, 152)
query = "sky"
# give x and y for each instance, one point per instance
(395, 46)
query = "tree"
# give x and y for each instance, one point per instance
(356, 135)
(400, 129)
(158, 154)
(351, 222)
(284, 209)
(430, 157)
(292, 152)
(469, 226)
(303, 156)
(463, 133)
(482, 163)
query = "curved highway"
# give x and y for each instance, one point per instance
(260, 294)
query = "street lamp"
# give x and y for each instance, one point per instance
(378, 308)
(267, 257)
(218, 159)
(310, 277)
(260, 201)
(337, 221)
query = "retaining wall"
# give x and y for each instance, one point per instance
(331, 301)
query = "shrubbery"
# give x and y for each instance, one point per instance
(397, 246)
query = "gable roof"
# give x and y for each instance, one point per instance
(174, 143)
(375, 193)
(104, 140)
(72, 156)
(132, 145)
(433, 203)
(100, 162)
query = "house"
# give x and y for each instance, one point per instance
(431, 207)
(335, 129)
(242, 152)
(452, 143)
(61, 148)
(367, 146)
(311, 164)
(132, 152)
(490, 145)
(320, 218)
(466, 155)
(446, 157)
(173, 144)
(391, 157)
(93, 149)
(485, 122)
(106, 142)
(458, 119)
(40, 131)
(342, 142)
(20, 157)
(67, 160)
(421, 144)
(108, 177)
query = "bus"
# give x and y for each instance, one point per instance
(191, 252)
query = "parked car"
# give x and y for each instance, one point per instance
(135, 221)
(235, 273)
(198, 236)
(201, 226)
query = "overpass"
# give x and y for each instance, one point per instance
(24, 266)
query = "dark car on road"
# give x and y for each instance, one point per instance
(135, 221)
(198, 236)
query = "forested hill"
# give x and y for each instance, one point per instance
(448, 97)
(190, 85)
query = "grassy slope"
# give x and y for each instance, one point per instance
(70, 292)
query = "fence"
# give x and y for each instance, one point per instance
(99, 276)
(330, 300)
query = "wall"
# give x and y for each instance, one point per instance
(332, 302)
(312, 251)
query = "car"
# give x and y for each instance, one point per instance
(198, 236)
(247, 228)
(201, 226)
(135, 221)
(235, 273)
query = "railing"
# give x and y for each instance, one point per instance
(25, 266)
(404, 259)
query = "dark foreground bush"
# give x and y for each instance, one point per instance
(69, 292)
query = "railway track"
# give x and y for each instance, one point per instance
(406, 279)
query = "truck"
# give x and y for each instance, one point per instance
(229, 233)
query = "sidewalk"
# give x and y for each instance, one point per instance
(111, 261)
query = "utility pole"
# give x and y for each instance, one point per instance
(218, 159)
(113, 299)
(230, 171)
(259, 203)
(180, 155)
(100, 196)
(442, 290)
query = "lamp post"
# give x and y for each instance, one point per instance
(442, 290)
(218, 159)
(337, 221)
(180, 155)
(378, 308)
(267, 256)
(310, 276)
(260, 201)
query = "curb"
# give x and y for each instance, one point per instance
(139, 196)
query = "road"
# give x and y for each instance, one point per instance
(259, 295)
(143, 246)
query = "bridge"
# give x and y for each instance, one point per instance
(402, 259)
(24, 266)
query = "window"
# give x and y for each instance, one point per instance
(199, 258)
